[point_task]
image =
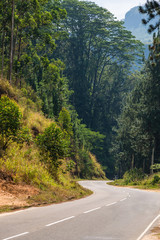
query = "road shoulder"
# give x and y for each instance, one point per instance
(154, 233)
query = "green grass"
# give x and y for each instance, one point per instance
(8, 208)
(149, 182)
(59, 194)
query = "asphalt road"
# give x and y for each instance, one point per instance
(111, 213)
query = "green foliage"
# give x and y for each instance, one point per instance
(133, 175)
(23, 164)
(156, 167)
(77, 56)
(86, 166)
(23, 136)
(149, 182)
(70, 165)
(151, 8)
(34, 34)
(89, 167)
(97, 53)
(53, 88)
(156, 179)
(84, 137)
(54, 142)
(8, 90)
(30, 98)
(10, 120)
(64, 120)
(138, 133)
(94, 39)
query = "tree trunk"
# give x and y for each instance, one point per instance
(11, 48)
(144, 163)
(18, 59)
(152, 159)
(15, 41)
(132, 163)
(3, 38)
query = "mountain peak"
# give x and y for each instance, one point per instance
(133, 23)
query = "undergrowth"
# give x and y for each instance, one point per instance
(24, 165)
(137, 178)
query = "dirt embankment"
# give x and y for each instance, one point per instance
(12, 194)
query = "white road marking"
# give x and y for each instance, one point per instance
(65, 219)
(111, 204)
(123, 199)
(150, 225)
(94, 209)
(19, 235)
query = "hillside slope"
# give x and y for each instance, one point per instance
(27, 175)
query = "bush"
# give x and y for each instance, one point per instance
(156, 179)
(86, 164)
(23, 135)
(23, 164)
(64, 121)
(10, 120)
(133, 175)
(54, 141)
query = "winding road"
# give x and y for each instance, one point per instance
(111, 213)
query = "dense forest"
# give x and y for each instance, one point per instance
(75, 62)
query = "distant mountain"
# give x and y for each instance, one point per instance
(133, 23)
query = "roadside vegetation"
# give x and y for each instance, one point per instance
(38, 151)
(138, 179)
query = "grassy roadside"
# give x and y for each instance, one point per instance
(48, 195)
(151, 182)
(59, 194)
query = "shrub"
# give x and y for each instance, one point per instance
(23, 164)
(64, 121)
(7, 89)
(54, 141)
(23, 135)
(133, 175)
(156, 179)
(86, 164)
(10, 120)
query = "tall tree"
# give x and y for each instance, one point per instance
(151, 8)
(97, 53)
(96, 41)
(11, 45)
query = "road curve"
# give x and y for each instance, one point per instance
(110, 213)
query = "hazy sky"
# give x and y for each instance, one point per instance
(119, 7)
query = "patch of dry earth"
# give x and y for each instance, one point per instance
(12, 194)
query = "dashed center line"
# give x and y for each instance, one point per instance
(111, 204)
(123, 199)
(62, 220)
(15, 236)
(94, 209)
(65, 219)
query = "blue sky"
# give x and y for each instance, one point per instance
(119, 7)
